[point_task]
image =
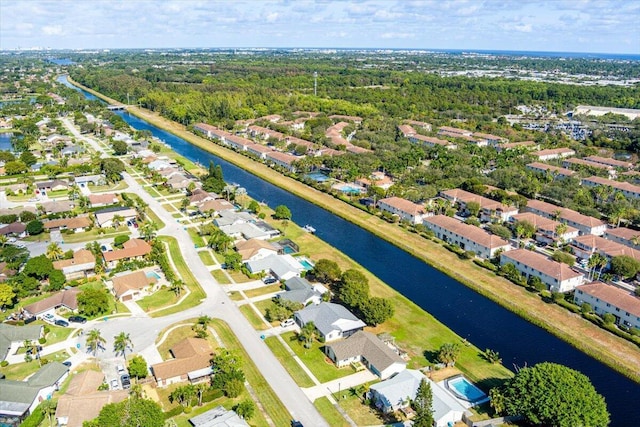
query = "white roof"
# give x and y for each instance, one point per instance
(280, 265)
(397, 389)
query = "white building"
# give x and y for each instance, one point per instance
(403, 208)
(605, 299)
(557, 276)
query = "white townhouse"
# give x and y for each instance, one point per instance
(554, 153)
(259, 150)
(585, 246)
(283, 160)
(630, 191)
(558, 277)
(405, 209)
(238, 143)
(490, 210)
(211, 131)
(584, 223)
(554, 171)
(610, 299)
(468, 237)
(547, 230)
(624, 235)
(610, 162)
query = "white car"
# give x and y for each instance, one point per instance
(49, 318)
(288, 322)
(114, 384)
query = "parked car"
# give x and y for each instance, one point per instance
(77, 319)
(121, 369)
(114, 384)
(126, 381)
(67, 363)
(288, 322)
(49, 317)
(62, 323)
(269, 280)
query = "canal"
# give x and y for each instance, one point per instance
(472, 316)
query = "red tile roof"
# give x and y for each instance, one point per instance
(615, 296)
(542, 264)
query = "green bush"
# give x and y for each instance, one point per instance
(486, 264)
(42, 340)
(4, 363)
(174, 412)
(211, 395)
(35, 419)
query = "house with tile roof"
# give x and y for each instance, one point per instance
(67, 298)
(547, 230)
(18, 399)
(78, 224)
(628, 190)
(332, 321)
(553, 153)
(215, 206)
(468, 237)
(16, 229)
(131, 249)
(191, 362)
(283, 160)
(133, 286)
(83, 401)
(624, 235)
(607, 161)
(13, 337)
(550, 170)
(81, 265)
(255, 249)
(609, 299)
(557, 276)
(57, 206)
(106, 199)
(584, 223)
(403, 208)
(490, 210)
(104, 217)
(368, 349)
(587, 245)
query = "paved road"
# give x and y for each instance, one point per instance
(92, 142)
(144, 330)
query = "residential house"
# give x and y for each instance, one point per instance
(132, 249)
(83, 402)
(453, 132)
(431, 142)
(210, 131)
(396, 393)
(67, 298)
(265, 133)
(216, 206)
(282, 160)
(283, 267)
(71, 150)
(13, 337)
(609, 299)
(255, 249)
(557, 276)
(626, 236)
(553, 153)
(104, 217)
(584, 223)
(259, 151)
(16, 229)
(181, 182)
(490, 210)
(489, 138)
(86, 180)
(468, 237)
(159, 164)
(133, 286)
(57, 206)
(630, 191)
(199, 195)
(376, 179)
(620, 164)
(81, 265)
(424, 125)
(587, 245)
(106, 199)
(299, 290)
(191, 362)
(332, 321)
(18, 399)
(550, 170)
(17, 188)
(54, 185)
(78, 224)
(218, 417)
(368, 349)
(405, 209)
(581, 163)
(236, 142)
(547, 230)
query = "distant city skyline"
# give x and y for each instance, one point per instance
(599, 26)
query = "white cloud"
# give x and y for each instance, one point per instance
(52, 30)
(392, 35)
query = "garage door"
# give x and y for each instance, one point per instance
(127, 298)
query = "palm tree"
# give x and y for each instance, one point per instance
(307, 334)
(95, 341)
(177, 286)
(636, 240)
(121, 343)
(200, 388)
(116, 220)
(54, 251)
(560, 230)
(48, 408)
(148, 230)
(3, 240)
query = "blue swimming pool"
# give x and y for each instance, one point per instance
(305, 263)
(349, 189)
(317, 176)
(153, 274)
(465, 390)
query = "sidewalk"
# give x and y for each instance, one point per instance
(341, 385)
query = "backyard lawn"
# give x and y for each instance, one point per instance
(286, 359)
(91, 235)
(314, 359)
(20, 371)
(161, 298)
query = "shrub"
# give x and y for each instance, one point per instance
(172, 413)
(42, 340)
(486, 264)
(4, 363)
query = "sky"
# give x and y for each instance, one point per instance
(603, 26)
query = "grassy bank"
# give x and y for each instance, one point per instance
(602, 345)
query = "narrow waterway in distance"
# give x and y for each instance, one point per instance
(472, 316)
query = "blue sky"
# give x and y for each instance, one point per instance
(575, 25)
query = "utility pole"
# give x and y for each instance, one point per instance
(315, 83)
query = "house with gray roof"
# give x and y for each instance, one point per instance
(332, 321)
(12, 337)
(218, 417)
(283, 267)
(298, 289)
(19, 398)
(368, 349)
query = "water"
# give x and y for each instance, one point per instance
(466, 389)
(470, 315)
(5, 141)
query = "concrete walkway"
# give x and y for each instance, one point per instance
(339, 386)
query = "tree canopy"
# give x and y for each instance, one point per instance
(133, 412)
(550, 394)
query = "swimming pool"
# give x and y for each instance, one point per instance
(317, 176)
(305, 263)
(465, 390)
(349, 189)
(153, 274)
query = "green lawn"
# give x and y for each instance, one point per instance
(197, 239)
(206, 258)
(330, 413)
(154, 218)
(57, 334)
(19, 371)
(297, 373)
(159, 299)
(109, 187)
(314, 359)
(220, 277)
(183, 271)
(253, 317)
(268, 398)
(238, 276)
(361, 414)
(94, 234)
(263, 305)
(235, 296)
(262, 290)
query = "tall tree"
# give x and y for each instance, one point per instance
(95, 341)
(121, 343)
(423, 405)
(54, 251)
